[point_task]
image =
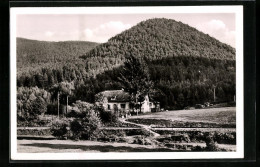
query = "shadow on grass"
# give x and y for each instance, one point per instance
(99, 148)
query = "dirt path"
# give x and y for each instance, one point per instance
(146, 127)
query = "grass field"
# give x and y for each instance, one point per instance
(206, 118)
(214, 115)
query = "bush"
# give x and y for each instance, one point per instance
(76, 114)
(34, 132)
(225, 138)
(197, 148)
(107, 116)
(210, 143)
(76, 128)
(60, 128)
(39, 106)
(52, 109)
(87, 127)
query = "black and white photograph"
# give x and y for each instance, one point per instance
(126, 82)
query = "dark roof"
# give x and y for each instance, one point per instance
(116, 95)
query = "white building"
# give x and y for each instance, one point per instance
(119, 100)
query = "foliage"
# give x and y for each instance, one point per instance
(39, 106)
(135, 79)
(156, 39)
(210, 143)
(33, 52)
(87, 127)
(31, 102)
(52, 109)
(34, 132)
(108, 116)
(64, 89)
(82, 106)
(184, 64)
(60, 128)
(159, 123)
(80, 109)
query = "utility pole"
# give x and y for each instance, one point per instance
(214, 87)
(136, 102)
(58, 104)
(67, 105)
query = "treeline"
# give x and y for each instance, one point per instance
(180, 81)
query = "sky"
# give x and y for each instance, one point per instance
(100, 27)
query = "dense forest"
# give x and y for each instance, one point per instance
(33, 55)
(155, 39)
(184, 64)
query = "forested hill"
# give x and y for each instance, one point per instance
(33, 52)
(186, 65)
(157, 39)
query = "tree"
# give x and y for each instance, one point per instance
(39, 106)
(135, 79)
(63, 88)
(66, 90)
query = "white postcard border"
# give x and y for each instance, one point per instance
(238, 10)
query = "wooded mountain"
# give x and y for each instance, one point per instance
(156, 39)
(184, 64)
(31, 52)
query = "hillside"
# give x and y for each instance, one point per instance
(156, 39)
(183, 63)
(33, 52)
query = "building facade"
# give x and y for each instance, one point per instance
(119, 101)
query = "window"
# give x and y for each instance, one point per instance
(122, 105)
(108, 106)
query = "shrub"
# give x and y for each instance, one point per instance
(34, 132)
(197, 148)
(133, 132)
(76, 128)
(80, 109)
(60, 128)
(75, 114)
(87, 127)
(225, 138)
(39, 106)
(52, 109)
(210, 143)
(107, 116)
